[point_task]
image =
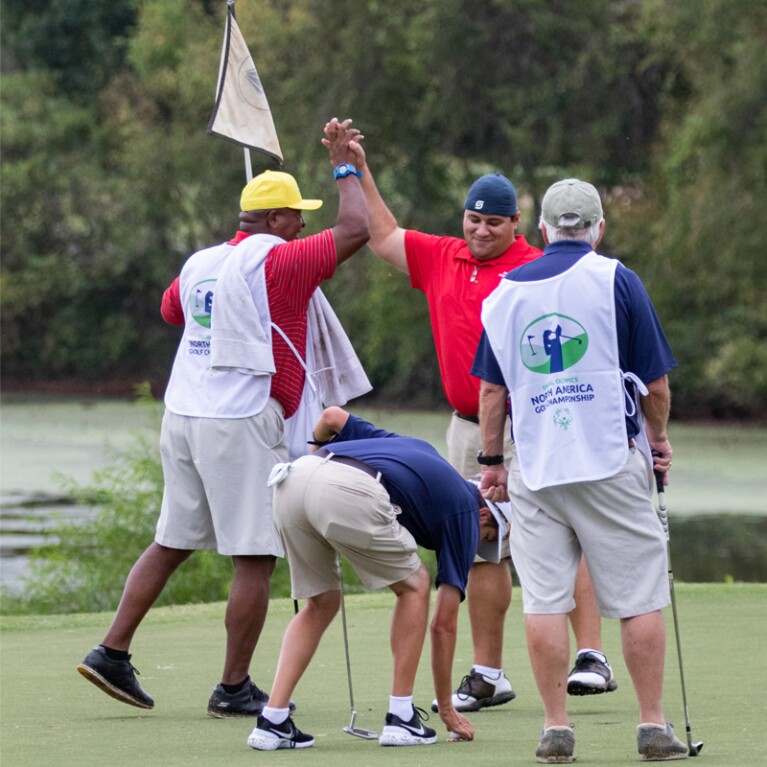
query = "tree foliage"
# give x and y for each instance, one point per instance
(110, 180)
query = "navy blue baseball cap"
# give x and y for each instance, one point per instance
(492, 195)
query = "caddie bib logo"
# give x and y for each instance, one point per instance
(552, 343)
(563, 418)
(201, 302)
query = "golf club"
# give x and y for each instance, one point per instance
(693, 748)
(359, 732)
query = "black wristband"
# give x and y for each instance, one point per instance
(489, 460)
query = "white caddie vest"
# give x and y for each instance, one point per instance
(194, 388)
(557, 346)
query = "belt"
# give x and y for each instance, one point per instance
(469, 418)
(323, 452)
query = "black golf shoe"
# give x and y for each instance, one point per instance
(267, 736)
(117, 678)
(249, 701)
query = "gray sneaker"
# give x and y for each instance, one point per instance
(556, 746)
(249, 701)
(657, 743)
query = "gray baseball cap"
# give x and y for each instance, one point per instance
(571, 204)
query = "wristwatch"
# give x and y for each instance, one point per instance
(346, 169)
(489, 460)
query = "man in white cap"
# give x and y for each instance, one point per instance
(375, 496)
(574, 338)
(223, 429)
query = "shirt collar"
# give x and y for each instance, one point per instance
(238, 238)
(574, 248)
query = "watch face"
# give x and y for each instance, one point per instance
(343, 168)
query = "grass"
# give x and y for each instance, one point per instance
(50, 716)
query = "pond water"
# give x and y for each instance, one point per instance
(46, 445)
(717, 500)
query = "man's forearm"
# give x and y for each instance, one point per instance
(329, 425)
(492, 417)
(382, 221)
(387, 239)
(655, 409)
(351, 230)
(444, 629)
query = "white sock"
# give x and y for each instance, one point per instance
(490, 673)
(275, 715)
(401, 706)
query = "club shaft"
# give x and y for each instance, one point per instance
(663, 516)
(346, 641)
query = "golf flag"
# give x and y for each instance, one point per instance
(242, 113)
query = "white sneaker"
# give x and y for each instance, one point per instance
(411, 733)
(477, 691)
(591, 675)
(267, 736)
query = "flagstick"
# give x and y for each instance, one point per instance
(248, 166)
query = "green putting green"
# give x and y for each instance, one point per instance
(52, 717)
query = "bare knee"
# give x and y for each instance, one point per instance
(323, 607)
(255, 567)
(418, 583)
(164, 557)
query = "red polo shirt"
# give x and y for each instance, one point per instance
(456, 284)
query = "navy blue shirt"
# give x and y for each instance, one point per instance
(642, 345)
(439, 507)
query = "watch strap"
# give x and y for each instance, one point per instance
(345, 169)
(489, 460)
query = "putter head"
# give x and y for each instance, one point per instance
(360, 732)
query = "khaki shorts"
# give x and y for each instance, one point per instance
(324, 507)
(611, 521)
(464, 441)
(215, 472)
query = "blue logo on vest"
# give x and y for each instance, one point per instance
(553, 343)
(201, 302)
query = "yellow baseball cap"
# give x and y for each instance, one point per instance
(274, 189)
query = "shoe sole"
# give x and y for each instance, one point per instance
(397, 739)
(114, 692)
(496, 700)
(555, 759)
(578, 688)
(216, 713)
(662, 757)
(260, 743)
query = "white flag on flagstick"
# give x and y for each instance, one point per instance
(242, 113)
